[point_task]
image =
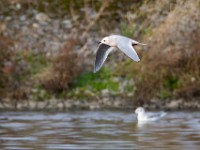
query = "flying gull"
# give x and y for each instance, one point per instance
(108, 43)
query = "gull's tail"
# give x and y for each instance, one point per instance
(141, 43)
(163, 114)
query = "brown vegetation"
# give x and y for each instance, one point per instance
(11, 71)
(66, 66)
(169, 69)
(171, 66)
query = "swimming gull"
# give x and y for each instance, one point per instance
(143, 116)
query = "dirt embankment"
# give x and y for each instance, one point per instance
(46, 54)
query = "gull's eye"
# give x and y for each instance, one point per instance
(104, 40)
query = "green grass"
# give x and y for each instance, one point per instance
(127, 30)
(40, 94)
(37, 62)
(89, 85)
(96, 82)
(172, 83)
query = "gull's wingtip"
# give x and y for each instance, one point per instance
(95, 69)
(137, 60)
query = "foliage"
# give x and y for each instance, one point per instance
(127, 30)
(99, 81)
(170, 69)
(64, 69)
(12, 71)
(37, 62)
(89, 85)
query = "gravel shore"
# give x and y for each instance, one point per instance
(101, 104)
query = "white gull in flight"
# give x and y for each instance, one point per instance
(108, 43)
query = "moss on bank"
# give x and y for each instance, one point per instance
(103, 83)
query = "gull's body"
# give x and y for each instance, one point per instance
(108, 43)
(143, 116)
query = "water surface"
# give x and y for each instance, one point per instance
(97, 130)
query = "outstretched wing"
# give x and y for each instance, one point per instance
(101, 55)
(125, 45)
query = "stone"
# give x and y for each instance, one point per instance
(42, 18)
(94, 106)
(22, 105)
(1, 106)
(107, 101)
(22, 18)
(8, 18)
(2, 27)
(105, 92)
(40, 105)
(67, 24)
(117, 103)
(18, 6)
(174, 104)
(60, 105)
(32, 105)
(35, 25)
(67, 104)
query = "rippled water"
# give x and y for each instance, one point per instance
(97, 129)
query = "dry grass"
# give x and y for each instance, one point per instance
(171, 66)
(66, 66)
(12, 71)
(5, 69)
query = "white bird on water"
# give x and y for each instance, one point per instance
(108, 43)
(143, 116)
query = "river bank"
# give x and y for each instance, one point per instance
(101, 104)
(47, 55)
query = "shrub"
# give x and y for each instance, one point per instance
(66, 66)
(12, 71)
(171, 66)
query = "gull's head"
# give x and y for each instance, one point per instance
(139, 110)
(105, 40)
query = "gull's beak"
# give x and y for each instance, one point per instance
(99, 42)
